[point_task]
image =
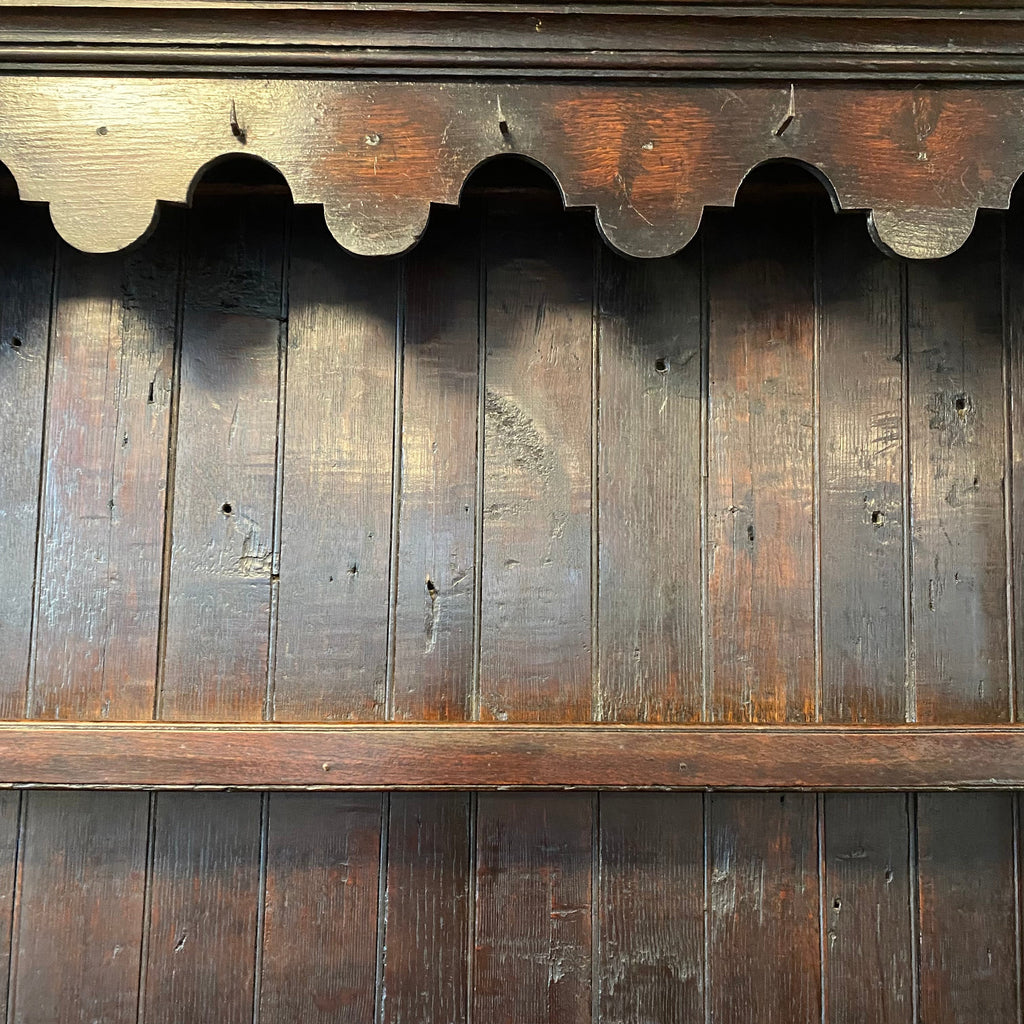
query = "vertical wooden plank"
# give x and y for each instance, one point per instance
(1013, 255)
(223, 516)
(533, 909)
(203, 908)
(336, 517)
(10, 822)
(81, 908)
(967, 908)
(761, 471)
(26, 282)
(320, 930)
(861, 450)
(649, 486)
(764, 957)
(428, 910)
(867, 903)
(869, 940)
(104, 489)
(957, 451)
(651, 892)
(437, 533)
(535, 662)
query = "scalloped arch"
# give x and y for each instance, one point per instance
(104, 152)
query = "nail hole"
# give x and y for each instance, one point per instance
(15, 342)
(226, 508)
(837, 904)
(431, 588)
(503, 127)
(750, 533)
(960, 403)
(102, 130)
(661, 365)
(353, 569)
(877, 517)
(373, 139)
(888, 876)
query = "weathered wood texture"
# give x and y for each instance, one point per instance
(513, 477)
(801, 367)
(611, 908)
(377, 154)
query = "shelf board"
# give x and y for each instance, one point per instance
(441, 756)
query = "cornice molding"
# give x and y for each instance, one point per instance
(104, 151)
(677, 40)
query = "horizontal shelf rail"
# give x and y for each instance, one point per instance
(160, 755)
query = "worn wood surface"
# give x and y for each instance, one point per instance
(761, 642)
(494, 756)
(540, 906)
(319, 942)
(202, 908)
(376, 155)
(81, 888)
(534, 906)
(222, 510)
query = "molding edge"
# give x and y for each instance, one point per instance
(104, 152)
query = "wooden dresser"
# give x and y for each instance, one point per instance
(511, 513)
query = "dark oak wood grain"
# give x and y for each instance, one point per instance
(958, 453)
(861, 508)
(401, 756)
(866, 912)
(533, 948)
(763, 884)
(430, 888)
(969, 934)
(651, 908)
(104, 490)
(319, 952)
(82, 892)
(649, 470)
(27, 252)
(760, 536)
(203, 908)
(535, 628)
(222, 519)
(10, 835)
(336, 527)
(436, 608)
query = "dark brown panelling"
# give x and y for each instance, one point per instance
(429, 892)
(958, 468)
(651, 908)
(649, 487)
(532, 955)
(434, 631)
(336, 513)
(760, 555)
(80, 908)
(438, 756)
(203, 909)
(10, 825)
(224, 479)
(968, 880)
(866, 913)
(860, 409)
(104, 491)
(26, 280)
(1014, 331)
(763, 948)
(320, 929)
(535, 662)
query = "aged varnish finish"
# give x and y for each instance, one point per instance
(649, 447)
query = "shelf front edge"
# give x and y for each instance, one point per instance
(438, 756)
